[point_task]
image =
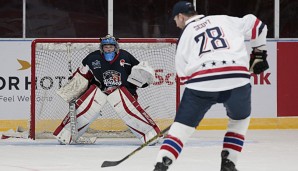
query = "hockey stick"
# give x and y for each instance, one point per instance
(115, 163)
(73, 121)
(72, 108)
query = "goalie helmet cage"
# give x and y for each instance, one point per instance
(53, 61)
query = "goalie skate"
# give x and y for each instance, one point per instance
(14, 134)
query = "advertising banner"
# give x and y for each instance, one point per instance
(15, 80)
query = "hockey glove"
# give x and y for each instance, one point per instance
(258, 62)
(141, 74)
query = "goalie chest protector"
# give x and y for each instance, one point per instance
(113, 73)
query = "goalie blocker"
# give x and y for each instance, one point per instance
(88, 108)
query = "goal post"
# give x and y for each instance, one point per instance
(52, 60)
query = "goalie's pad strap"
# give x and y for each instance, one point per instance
(74, 88)
(135, 117)
(88, 108)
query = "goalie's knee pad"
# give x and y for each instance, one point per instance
(88, 108)
(134, 116)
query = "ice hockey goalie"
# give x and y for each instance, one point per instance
(109, 75)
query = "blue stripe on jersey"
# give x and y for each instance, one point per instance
(261, 28)
(216, 77)
(173, 144)
(233, 141)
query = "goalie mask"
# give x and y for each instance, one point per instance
(109, 40)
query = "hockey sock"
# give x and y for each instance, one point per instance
(174, 141)
(234, 138)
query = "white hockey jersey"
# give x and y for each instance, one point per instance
(211, 53)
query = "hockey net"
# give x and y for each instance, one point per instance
(53, 61)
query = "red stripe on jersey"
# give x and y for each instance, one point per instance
(254, 29)
(209, 71)
(170, 149)
(115, 58)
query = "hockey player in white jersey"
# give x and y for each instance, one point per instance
(213, 63)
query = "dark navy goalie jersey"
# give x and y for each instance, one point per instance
(114, 73)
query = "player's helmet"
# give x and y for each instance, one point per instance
(109, 40)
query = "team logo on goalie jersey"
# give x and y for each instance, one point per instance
(122, 63)
(112, 78)
(96, 64)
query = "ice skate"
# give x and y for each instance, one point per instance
(226, 164)
(164, 165)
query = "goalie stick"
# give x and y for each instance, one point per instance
(73, 121)
(115, 163)
(75, 139)
(72, 111)
(71, 105)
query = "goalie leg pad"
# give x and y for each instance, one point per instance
(88, 108)
(134, 116)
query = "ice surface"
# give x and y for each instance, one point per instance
(264, 150)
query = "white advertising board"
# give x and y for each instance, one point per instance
(15, 82)
(15, 79)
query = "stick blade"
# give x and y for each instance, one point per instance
(110, 163)
(115, 163)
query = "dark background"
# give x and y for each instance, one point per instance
(132, 18)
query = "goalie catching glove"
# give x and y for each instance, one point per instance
(258, 62)
(141, 74)
(74, 88)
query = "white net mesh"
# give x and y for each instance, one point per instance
(52, 71)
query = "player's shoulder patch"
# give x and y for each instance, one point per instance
(91, 57)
